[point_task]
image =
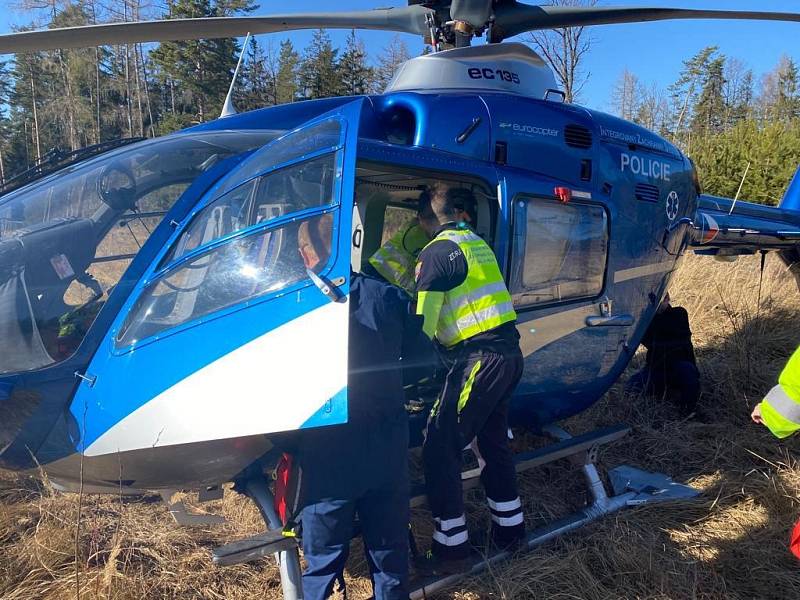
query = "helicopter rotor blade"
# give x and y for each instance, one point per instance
(513, 18)
(410, 19)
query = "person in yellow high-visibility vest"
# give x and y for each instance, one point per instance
(779, 411)
(467, 310)
(780, 408)
(395, 260)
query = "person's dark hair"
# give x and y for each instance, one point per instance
(424, 201)
(446, 202)
(463, 199)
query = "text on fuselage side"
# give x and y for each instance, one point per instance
(646, 167)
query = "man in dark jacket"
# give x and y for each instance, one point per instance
(360, 468)
(670, 361)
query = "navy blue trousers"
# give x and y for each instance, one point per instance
(361, 474)
(474, 403)
(681, 375)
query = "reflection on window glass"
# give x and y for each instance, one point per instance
(294, 145)
(299, 186)
(239, 270)
(559, 252)
(79, 229)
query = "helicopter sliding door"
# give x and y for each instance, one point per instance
(557, 278)
(240, 328)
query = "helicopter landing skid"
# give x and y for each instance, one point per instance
(631, 487)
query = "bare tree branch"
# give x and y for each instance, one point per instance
(564, 50)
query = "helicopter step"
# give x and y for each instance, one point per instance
(566, 447)
(252, 548)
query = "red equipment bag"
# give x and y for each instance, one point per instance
(287, 488)
(794, 540)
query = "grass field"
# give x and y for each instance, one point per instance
(729, 543)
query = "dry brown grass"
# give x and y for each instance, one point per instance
(729, 543)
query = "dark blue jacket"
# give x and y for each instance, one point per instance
(368, 452)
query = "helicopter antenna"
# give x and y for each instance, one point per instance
(228, 108)
(739, 191)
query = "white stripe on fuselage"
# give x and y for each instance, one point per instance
(273, 383)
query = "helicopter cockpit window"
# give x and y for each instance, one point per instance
(247, 267)
(307, 184)
(559, 251)
(290, 147)
(66, 240)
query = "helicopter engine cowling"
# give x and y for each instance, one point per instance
(512, 67)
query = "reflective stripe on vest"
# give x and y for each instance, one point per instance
(482, 301)
(395, 260)
(780, 409)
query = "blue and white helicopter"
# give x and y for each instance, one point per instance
(159, 331)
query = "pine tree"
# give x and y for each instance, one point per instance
(394, 55)
(254, 86)
(30, 84)
(5, 122)
(202, 67)
(286, 88)
(685, 91)
(787, 96)
(357, 77)
(708, 114)
(319, 76)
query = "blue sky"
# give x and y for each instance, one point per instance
(653, 51)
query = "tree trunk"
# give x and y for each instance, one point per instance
(35, 118)
(138, 90)
(98, 123)
(128, 106)
(147, 92)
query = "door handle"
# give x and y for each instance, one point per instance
(330, 289)
(609, 321)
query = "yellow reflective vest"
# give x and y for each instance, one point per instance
(481, 303)
(395, 260)
(780, 409)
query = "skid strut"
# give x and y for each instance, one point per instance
(288, 560)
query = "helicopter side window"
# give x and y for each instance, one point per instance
(559, 251)
(300, 186)
(245, 268)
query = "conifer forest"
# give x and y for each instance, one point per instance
(729, 119)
